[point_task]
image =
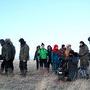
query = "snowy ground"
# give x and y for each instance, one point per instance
(37, 81)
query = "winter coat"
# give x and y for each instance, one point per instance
(36, 57)
(9, 54)
(50, 55)
(24, 53)
(55, 57)
(13, 52)
(84, 55)
(73, 62)
(43, 53)
(3, 52)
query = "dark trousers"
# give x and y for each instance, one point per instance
(8, 66)
(48, 64)
(72, 74)
(23, 67)
(3, 66)
(43, 63)
(37, 64)
(11, 65)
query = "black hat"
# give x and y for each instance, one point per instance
(2, 41)
(42, 44)
(71, 52)
(82, 42)
(89, 39)
(21, 40)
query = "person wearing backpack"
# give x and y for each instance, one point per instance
(43, 57)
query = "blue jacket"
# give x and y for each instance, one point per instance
(55, 57)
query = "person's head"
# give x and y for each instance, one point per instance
(71, 53)
(38, 47)
(63, 46)
(76, 54)
(8, 41)
(68, 46)
(22, 41)
(2, 42)
(49, 47)
(42, 45)
(89, 39)
(55, 47)
(82, 43)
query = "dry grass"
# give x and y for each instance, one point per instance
(37, 81)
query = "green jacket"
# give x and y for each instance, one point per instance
(43, 53)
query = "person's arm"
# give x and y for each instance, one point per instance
(26, 53)
(52, 57)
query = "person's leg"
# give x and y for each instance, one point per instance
(25, 68)
(53, 66)
(45, 67)
(48, 64)
(12, 66)
(2, 66)
(37, 64)
(87, 72)
(6, 67)
(21, 66)
(41, 64)
(41, 67)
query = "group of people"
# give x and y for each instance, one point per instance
(8, 54)
(64, 59)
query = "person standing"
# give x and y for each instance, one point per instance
(89, 51)
(55, 59)
(36, 57)
(72, 65)
(3, 54)
(9, 56)
(62, 52)
(49, 49)
(89, 39)
(43, 56)
(67, 51)
(84, 57)
(23, 56)
(13, 51)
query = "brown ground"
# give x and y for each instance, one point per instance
(37, 81)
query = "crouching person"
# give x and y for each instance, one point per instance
(72, 65)
(23, 56)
